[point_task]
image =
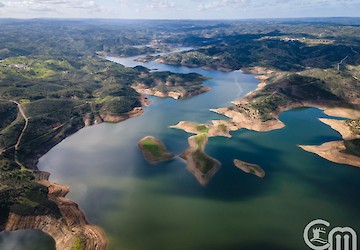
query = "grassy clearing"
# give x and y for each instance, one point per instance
(202, 128)
(78, 245)
(154, 150)
(152, 147)
(25, 101)
(200, 140)
(223, 128)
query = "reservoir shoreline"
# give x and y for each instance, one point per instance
(234, 99)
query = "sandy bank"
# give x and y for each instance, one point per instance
(332, 152)
(341, 127)
(341, 112)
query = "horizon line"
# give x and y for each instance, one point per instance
(178, 19)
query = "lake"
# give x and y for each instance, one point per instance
(146, 207)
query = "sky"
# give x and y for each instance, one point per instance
(178, 9)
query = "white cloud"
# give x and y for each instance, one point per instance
(163, 4)
(231, 4)
(223, 4)
(51, 5)
(2, 4)
(152, 4)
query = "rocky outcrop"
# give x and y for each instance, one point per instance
(249, 168)
(112, 118)
(94, 119)
(68, 230)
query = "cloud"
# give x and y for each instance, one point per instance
(161, 4)
(219, 5)
(214, 5)
(2, 4)
(52, 5)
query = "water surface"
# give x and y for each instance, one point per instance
(26, 240)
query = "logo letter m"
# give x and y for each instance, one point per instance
(345, 239)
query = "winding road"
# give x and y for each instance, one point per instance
(22, 112)
(17, 145)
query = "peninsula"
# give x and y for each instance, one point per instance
(167, 84)
(342, 152)
(280, 91)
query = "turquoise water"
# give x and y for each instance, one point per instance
(143, 207)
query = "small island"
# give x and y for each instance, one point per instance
(202, 166)
(250, 168)
(154, 150)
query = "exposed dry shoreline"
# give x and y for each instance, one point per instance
(111, 118)
(341, 127)
(72, 226)
(252, 121)
(176, 95)
(67, 230)
(218, 128)
(333, 151)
